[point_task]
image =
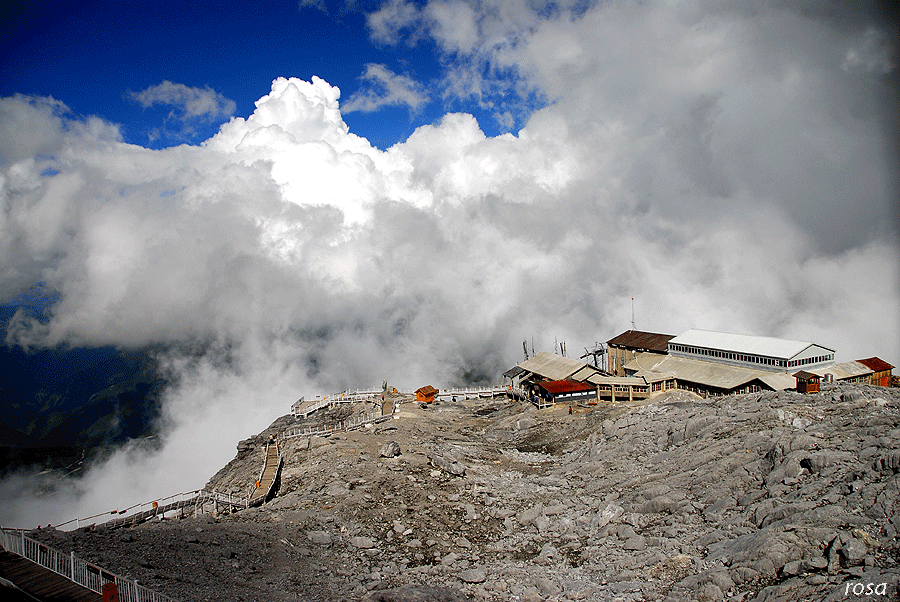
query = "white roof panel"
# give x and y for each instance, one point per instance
(779, 381)
(743, 343)
(584, 373)
(843, 370)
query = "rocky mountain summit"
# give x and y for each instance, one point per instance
(762, 497)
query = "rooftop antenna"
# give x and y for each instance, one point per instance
(632, 314)
(525, 347)
(599, 349)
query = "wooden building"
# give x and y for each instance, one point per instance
(706, 379)
(620, 388)
(426, 394)
(881, 371)
(623, 348)
(807, 382)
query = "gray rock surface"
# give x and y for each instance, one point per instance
(753, 498)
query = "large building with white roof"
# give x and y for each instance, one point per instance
(758, 353)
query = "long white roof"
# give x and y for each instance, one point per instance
(743, 343)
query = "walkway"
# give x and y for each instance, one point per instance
(305, 407)
(50, 575)
(481, 392)
(157, 509)
(42, 583)
(268, 476)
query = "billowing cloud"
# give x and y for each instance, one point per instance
(384, 88)
(722, 166)
(187, 102)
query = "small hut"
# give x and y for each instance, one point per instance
(426, 394)
(807, 382)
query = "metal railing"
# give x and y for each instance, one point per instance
(357, 395)
(343, 397)
(334, 427)
(489, 391)
(145, 510)
(75, 569)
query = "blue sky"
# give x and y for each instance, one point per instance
(93, 55)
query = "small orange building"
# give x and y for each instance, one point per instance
(426, 394)
(807, 382)
(881, 371)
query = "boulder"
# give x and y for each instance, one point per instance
(852, 552)
(320, 538)
(472, 576)
(390, 450)
(444, 463)
(363, 543)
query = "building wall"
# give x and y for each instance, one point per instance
(882, 378)
(619, 356)
(817, 356)
(576, 397)
(822, 356)
(808, 386)
(708, 391)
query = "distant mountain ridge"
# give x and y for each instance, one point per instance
(64, 404)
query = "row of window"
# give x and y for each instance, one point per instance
(812, 360)
(750, 359)
(728, 355)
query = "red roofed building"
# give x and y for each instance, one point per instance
(881, 371)
(567, 391)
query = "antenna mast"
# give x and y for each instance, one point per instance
(632, 314)
(598, 350)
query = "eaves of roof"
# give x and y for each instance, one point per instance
(640, 340)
